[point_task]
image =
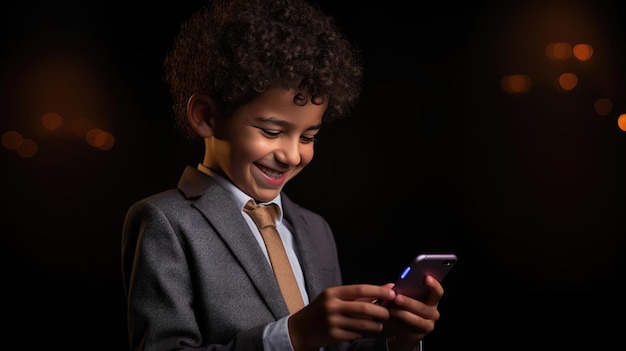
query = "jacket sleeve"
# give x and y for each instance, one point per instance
(158, 284)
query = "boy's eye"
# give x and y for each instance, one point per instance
(276, 133)
(306, 139)
(270, 133)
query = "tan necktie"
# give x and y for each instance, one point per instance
(264, 218)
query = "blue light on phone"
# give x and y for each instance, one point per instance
(405, 273)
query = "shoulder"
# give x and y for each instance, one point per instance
(170, 201)
(192, 185)
(160, 204)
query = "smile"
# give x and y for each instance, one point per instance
(270, 172)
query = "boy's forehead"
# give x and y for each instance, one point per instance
(285, 102)
(291, 95)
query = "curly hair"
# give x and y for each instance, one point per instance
(233, 50)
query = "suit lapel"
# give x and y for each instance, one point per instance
(227, 221)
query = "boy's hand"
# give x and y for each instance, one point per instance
(411, 320)
(341, 313)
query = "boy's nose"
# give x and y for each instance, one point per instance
(289, 152)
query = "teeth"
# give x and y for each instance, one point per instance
(270, 172)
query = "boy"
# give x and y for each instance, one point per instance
(255, 80)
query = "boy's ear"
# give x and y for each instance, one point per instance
(201, 113)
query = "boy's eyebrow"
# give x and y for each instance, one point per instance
(285, 124)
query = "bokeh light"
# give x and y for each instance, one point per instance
(567, 81)
(583, 52)
(11, 140)
(621, 121)
(559, 51)
(516, 83)
(603, 106)
(51, 121)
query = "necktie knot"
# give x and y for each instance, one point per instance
(263, 216)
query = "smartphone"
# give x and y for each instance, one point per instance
(410, 282)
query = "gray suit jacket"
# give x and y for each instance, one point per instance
(196, 279)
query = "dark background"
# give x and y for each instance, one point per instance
(527, 189)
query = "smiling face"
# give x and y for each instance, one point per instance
(265, 143)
